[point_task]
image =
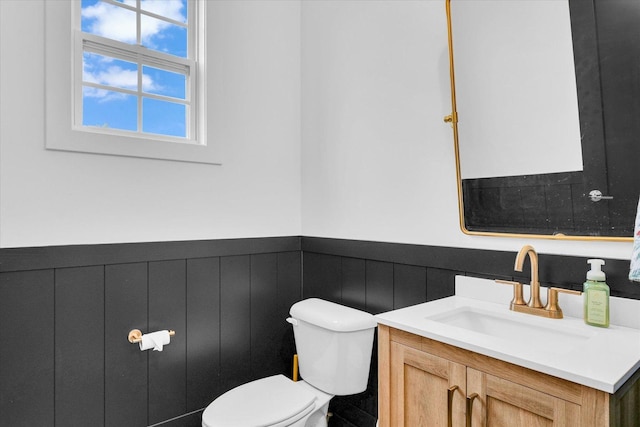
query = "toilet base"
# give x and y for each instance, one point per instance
(317, 418)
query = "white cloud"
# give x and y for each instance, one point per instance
(96, 70)
(102, 94)
(118, 23)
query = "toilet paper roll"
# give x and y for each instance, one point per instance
(155, 340)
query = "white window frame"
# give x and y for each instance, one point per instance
(63, 88)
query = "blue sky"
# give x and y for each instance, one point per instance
(114, 109)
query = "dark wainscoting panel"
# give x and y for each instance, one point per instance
(79, 346)
(203, 326)
(27, 348)
(354, 290)
(265, 314)
(322, 277)
(235, 320)
(378, 286)
(126, 373)
(167, 368)
(409, 285)
(65, 313)
(289, 292)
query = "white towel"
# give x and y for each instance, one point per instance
(634, 272)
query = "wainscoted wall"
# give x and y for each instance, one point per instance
(377, 277)
(65, 313)
(557, 270)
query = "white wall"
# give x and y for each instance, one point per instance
(377, 156)
(377, 159)
(59, 198)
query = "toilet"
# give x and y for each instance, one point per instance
(334, 345)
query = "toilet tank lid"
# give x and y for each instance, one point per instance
(329, 315)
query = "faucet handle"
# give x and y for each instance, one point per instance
(552, 301)
(518, 298)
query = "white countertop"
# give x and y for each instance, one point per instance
(602, 358)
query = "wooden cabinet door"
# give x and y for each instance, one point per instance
(419, 389)
(504, 403)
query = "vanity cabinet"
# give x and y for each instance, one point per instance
(423, 382)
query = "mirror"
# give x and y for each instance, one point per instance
(546, 116)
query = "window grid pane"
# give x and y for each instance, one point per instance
(173, 40)
(174, 10)
(106, 111)
(108, 71)
(163, 118)
(109, 20)
(163, 82)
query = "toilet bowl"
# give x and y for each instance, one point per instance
(274, 401)
(334, 345)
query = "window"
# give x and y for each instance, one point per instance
(137, 66)
(136, 75)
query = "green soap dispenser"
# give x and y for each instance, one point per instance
(596, 296)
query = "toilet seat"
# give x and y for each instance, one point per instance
(274, 401)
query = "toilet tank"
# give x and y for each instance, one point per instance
(334, 345)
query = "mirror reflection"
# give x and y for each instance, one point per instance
(548, 107)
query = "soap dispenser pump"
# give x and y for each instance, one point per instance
(596, 296)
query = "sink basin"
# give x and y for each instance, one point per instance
(509, 327)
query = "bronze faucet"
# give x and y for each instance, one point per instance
(534, 299)
(534, 306)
